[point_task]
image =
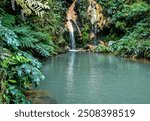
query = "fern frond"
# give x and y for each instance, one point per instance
(49, 48)
(41, 36)
(23, 30)
(7, 19)
(29, 6)
(25, 8)
(26, 42)
(42, 50)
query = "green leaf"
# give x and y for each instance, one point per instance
(12, 81)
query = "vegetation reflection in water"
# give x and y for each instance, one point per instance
(96, 78)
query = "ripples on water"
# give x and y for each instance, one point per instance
(78, 77)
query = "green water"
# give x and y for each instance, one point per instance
(87, 78)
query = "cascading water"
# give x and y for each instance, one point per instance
(72, 41)
(71, 19)
(71, 35)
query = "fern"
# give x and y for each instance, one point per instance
(27, 42)
(21, 30)
(42, 50)
(7, 20)
(34, 62)
(21, 68)
(41, 36)
(9, 37)
(35, 42)
(29, 6)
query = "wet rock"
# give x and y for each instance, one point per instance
(90, 48)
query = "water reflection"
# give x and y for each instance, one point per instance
(70, 73)
(70, 68)
(95, 77)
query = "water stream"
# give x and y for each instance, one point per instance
(72, 41)
(78, 77)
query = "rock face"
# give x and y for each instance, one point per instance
(97, 19)
(71, 22)
(72, 18)
(95, 14)
(90, 48)
(40, 97)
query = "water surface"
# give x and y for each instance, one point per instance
(88, 78)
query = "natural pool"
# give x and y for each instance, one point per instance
(87, 78)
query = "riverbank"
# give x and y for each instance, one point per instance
(105, 49)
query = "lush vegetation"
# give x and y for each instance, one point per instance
(31, 30)
(129, 27)
(24, 39)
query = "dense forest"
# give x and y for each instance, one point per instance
(31, 30)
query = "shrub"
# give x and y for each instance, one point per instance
(102, 49)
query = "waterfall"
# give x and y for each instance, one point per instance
(71, 18)
(71, 35)
(72, 41)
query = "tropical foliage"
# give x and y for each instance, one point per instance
(23, 43)
(19, 69)
(102, 49)
(128, 25)
(35, 29)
